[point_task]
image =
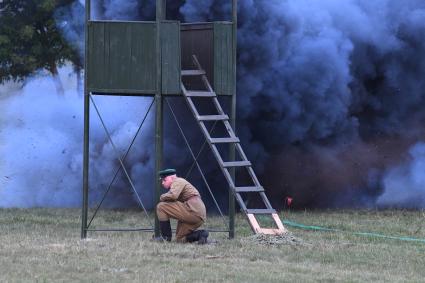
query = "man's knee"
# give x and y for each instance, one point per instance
(161, 212)
(160, 206)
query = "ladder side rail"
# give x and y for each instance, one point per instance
(241, 202)
(229, 178)
(208, 87)
(253, 176)
(205, 132)
(218, 157)
(257, 183)
(220, 161)
(244, 157)
(193, 108)
(207, 83)
(204, 77)
(215, 99)
(217, 105)
(230, 131)
(250, 169)
(266, 200)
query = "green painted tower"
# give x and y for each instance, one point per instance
(164, 58)
(145, 58)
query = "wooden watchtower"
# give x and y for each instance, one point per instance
(150, 58)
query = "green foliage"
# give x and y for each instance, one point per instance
(30, 39)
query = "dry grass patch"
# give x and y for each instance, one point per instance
(43, 245)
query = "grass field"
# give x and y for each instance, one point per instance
(43, 245)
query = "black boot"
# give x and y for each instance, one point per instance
(192, 237)
(166, 233)
(198, 235)
(165, 227)
(203, 236)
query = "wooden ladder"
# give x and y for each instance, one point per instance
(227, 166)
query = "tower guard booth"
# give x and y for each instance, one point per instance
(151, 58)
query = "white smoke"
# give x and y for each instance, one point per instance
(405, 184)
(42, 140)
(39, 145)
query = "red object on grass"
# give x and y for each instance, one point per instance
(288, 201)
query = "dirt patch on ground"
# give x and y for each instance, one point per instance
(272, 240)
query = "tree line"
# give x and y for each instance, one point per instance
(32, 37)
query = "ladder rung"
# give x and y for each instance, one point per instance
(226, 140)
(248, 189)
(260, 211)
(193, 72)
(212, 117)
(236, 163)
(201, 94)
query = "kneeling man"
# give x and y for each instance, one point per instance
(182, 202)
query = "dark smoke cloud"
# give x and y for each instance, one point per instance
(116, 9)
(313, 71)
(328, 84)
(123, 10)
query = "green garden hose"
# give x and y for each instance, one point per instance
(368, 234)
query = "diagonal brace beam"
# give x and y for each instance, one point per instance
(117, 156)
(119, 167)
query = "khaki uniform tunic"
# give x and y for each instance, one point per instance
(182, 202)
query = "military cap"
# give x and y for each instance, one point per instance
(166, 172)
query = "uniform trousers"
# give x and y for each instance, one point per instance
(187, 221)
